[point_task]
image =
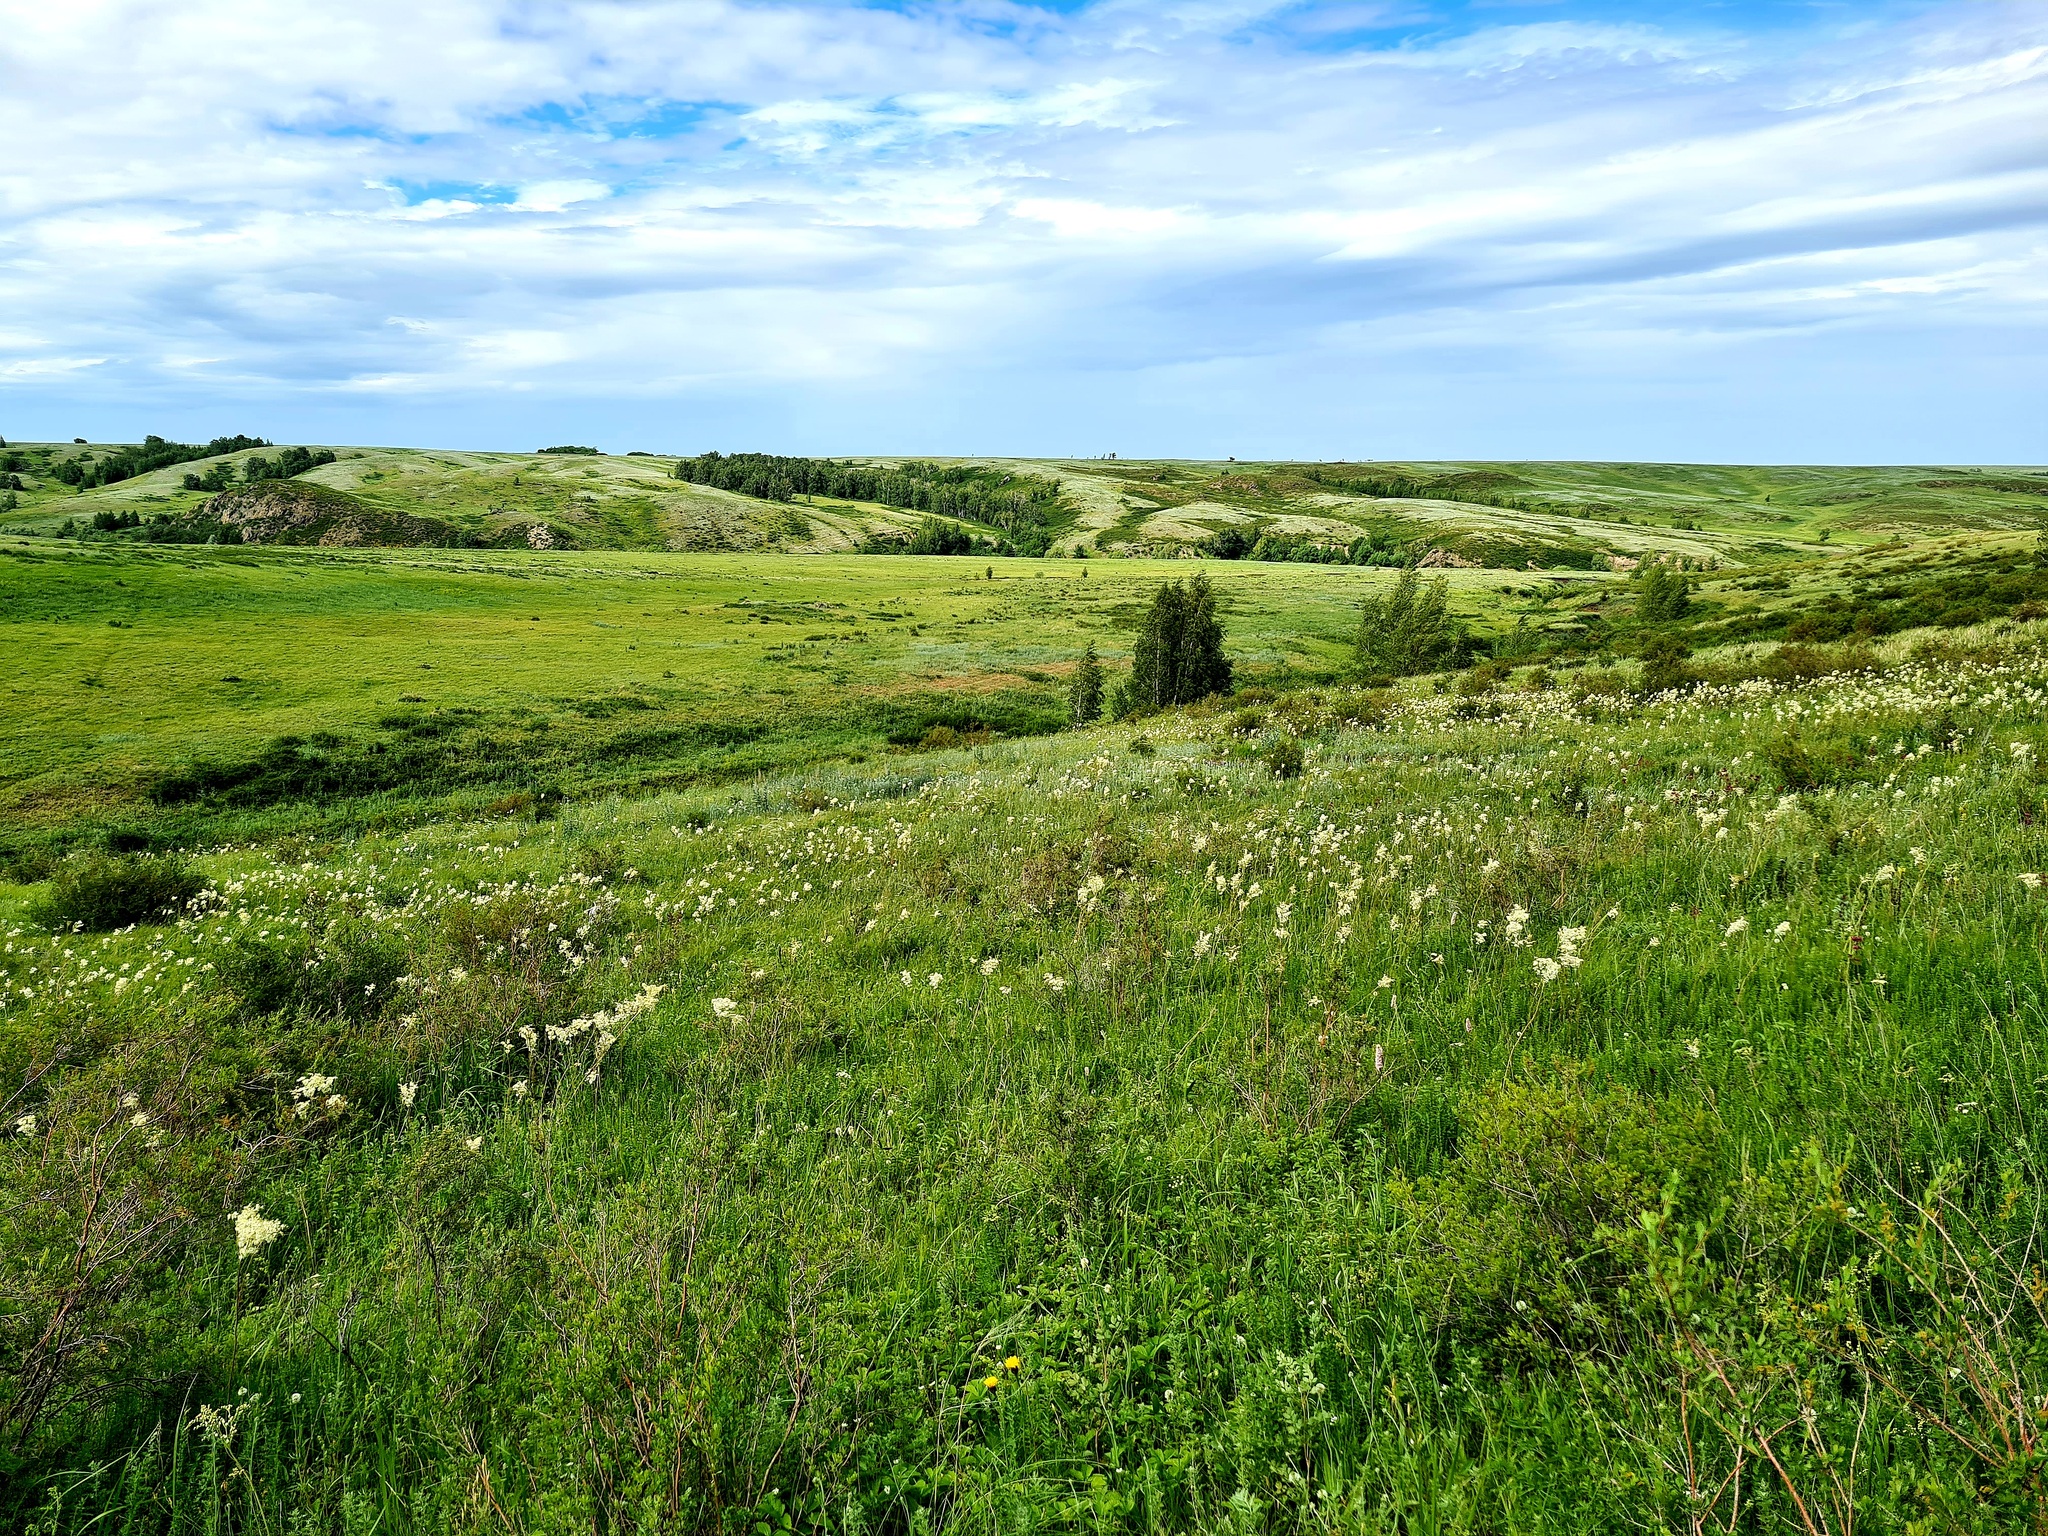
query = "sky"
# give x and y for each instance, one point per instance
(1795, 231)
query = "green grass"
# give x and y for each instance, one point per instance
(565, 673)
(1548, 1109)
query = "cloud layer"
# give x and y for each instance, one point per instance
(1180, 226)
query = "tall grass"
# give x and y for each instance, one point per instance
(1532, 1117)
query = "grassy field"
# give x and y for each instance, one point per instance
(1497, 514)
(641, 1041)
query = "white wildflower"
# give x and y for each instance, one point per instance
(25, 1125)
(407, 1092)
(1781, 930)
(1739, 926)
(724, 1007)
(254, 1231)
(313, 1085)
(1546, 970)
(988, 966)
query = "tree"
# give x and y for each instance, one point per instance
(1666, 595)
(1084, 696)
(1407, 631)
(1179, 656)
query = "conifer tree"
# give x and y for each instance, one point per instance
(1084, 698)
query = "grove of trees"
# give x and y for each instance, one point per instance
(1027, 509)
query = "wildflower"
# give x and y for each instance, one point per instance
(457, 973)
(1056, 983)
(336, 1104)
(1692, 1049)
(25, 1126)
(1013, 1363)
(139, 1119)
(130, 1101)
(934, 979)
(1781, 930)
(2031, 882)
(312, 1086)
(474, 1143)
(993, 1382)
(1568, 942)
(1547, 970)
(407, 1092)
(1518, 922)
(1204, 943)
(519, 1089)
(254, 1231)
(1379, 1058)
(1739, 926)
(724, 1007)
(904, 977)
(988, 966)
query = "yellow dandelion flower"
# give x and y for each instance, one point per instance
(993, 1382)
(1013, 1364)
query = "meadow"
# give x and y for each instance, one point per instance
(815, 1091)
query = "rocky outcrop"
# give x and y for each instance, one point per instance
(301, 512)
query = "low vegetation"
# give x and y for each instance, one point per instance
(739, 1042)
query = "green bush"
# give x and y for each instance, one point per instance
(96, 893)
(1284, 758)
(1513, 1243)
(348, 972)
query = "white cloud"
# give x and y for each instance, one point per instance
(588, 198)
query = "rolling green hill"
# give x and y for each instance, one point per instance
(1497, 515)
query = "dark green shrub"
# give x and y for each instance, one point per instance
(1664, 666)
(1283, 757)
(348, 972)
(96, 893)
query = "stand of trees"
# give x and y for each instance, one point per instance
(1179, 655)
(1372, 549)
(154, 453)
(1409, 630)
(1026, 509)
(290, 463)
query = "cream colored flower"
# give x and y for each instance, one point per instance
(254, 1231)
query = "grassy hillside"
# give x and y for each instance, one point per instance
(568, 1039)
(1501, 515)
(1550, 1112)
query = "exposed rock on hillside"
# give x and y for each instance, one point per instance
(301, 512)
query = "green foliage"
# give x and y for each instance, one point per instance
(583, 452)
(1665, 667)
(1664, 594)
(1528, 1123)
(1178, 657)
(1084, 694)
(1407, 631)
(289, 464)
(96, 893)
(1513, 1246)
(1028, 509)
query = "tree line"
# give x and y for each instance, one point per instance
(1028, 510)
(153, 453)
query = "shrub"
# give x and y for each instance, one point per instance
(1409, 630)
(348, 972)
(1512, 1242)
(1284, 758)
(101, 892)
(1664, 666)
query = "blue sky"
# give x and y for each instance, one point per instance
(1762, 230)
